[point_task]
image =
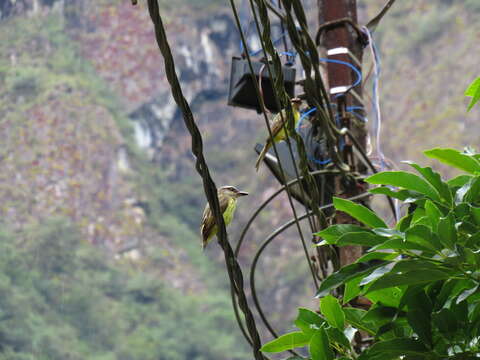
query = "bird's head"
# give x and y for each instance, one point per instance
(296, 103)
(231, 191)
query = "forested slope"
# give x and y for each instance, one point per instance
(94, 152)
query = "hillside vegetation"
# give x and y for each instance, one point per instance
(72, 175)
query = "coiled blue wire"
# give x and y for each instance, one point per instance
(309, 157)
(355, 70)
(312, 110)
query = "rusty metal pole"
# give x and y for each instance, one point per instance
(333, 41)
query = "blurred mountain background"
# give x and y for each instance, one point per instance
(100, 203)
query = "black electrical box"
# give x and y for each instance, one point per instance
(242, 92)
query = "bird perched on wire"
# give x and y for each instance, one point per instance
(277, 126)
(227, 198)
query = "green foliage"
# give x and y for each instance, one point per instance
(421, 276)
(62, 299)
(473, 91)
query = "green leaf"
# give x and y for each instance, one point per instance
(399, 244)
(435, 180)
(377, 273)
(359, 212)
(417, 265)
(338, 337)
(332, 233)
(466, 294)
(376, 256)
(332, 311)
(433, 214)
(423, 236)
(460, 311)
(384, 190)
(459, 180)
(389, 233)
(354, 316)
(380, 315)
(388, 297)
(345, 274)
(475, 211)
(469, 192)
(450, 290)
(408, 278)
(455, 158)
(473, 193)
(445, 321)
(404, 180)
(363, 239)
(420, 321)
(473, 91)
(447, 231)
(320, 347)
(404, 223)
(308, 321)
(287, 342)
(396, 347)
(352, 289)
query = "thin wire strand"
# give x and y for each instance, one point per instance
(252, 219)
(234, 9)
(268, 240)
(279, 93)
(376, 97)
(233, 267)
(315, 196)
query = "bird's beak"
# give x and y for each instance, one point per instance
(242, 193)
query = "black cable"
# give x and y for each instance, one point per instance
(235, 13)
(233, 267)
(268, 240)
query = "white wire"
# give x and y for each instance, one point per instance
(376, 99)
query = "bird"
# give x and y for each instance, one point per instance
(277, 127)
(227, 198)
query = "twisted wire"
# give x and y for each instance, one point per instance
(283, 102)
(258, 92)
(315, 89)
(233, 267)
(268, 240)
(249, 223)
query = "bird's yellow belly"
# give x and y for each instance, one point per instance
(227, 216)
(281, 135)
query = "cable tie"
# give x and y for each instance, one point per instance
(338, 51)
(339, 90)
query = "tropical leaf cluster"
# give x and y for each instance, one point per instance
(420, 277)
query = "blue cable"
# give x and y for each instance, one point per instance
(341, 145)
(309, 157)
(360, 117)
(353, 108)
(357, 72)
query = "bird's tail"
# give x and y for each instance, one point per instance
(262, 155)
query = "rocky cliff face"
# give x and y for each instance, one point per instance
(91, 131)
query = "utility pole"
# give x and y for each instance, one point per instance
(339, 31)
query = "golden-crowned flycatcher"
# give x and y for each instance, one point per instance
(279, 130)
(227, 197)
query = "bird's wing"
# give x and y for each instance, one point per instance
(277, 123)
(208, 221)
